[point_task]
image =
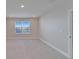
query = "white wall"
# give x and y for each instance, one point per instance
(11, 33)
(54, 26)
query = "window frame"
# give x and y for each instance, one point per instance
(22, 32)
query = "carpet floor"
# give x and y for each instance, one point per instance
(29, 49)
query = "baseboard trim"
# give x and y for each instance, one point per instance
(55, 48)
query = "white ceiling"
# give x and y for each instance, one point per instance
(35, 7)
(32, 7)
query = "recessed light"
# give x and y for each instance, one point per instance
(22, 6)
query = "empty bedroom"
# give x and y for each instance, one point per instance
(39, 29)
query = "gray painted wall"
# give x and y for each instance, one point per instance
(54, 25)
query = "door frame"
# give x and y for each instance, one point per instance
(70, 40)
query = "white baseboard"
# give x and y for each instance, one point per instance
(55, 48)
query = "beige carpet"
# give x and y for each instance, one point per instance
(30, 49)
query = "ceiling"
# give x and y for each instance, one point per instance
(32, 7)
(35, 8)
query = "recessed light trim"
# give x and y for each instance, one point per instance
(22, 6)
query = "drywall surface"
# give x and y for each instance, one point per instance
(11, 32)
(54, 25)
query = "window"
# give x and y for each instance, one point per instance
(23, 27)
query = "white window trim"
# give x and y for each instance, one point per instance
(22, 33)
